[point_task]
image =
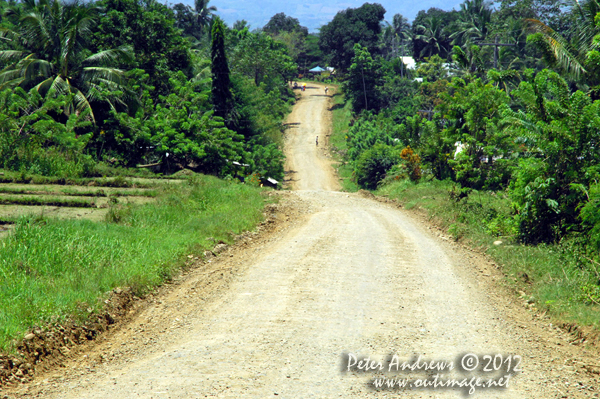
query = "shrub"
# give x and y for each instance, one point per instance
(412, 164)
(373, 164)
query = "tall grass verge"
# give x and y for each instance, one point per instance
(550, 275)
(55, 269)
(341, 116)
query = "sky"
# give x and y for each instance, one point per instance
(314, 13)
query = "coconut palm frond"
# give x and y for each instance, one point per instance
(202, 74)
(565, 56)
(81, 103)
(60, 86)
(113, 75)
(10, 78)
(523, 124)
(8, 34)
(53, 36)
(32, 68)
(45, 85)
(11, 55)
(120, 54)
(35, 32)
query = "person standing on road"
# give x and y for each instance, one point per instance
(326, 90)
(317, 141)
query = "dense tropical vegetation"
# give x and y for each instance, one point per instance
(119, 83)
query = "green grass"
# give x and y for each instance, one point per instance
(342, 114)
(54, 269)
(543, 272)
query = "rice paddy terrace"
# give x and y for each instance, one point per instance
(71, 199)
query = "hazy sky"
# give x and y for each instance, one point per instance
(313, 13)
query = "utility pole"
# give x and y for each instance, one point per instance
(496, 45)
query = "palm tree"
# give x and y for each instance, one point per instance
(514, 57)
(432, 33)
(474, 19)
(204, 13)
(397, 35)
(468, 58)
(50, 54)
(570, 56)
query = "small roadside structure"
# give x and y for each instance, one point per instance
(316, 70)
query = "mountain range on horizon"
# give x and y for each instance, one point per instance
(311, 13)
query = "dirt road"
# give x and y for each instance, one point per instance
(344, 274)
(307, 168)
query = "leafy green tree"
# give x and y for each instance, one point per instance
(432, 69)
(369, 130)
(354, 25)
(313, 55)
(558, 135)
(435, 149)
(550, 12)
(266, 159)
(149, 27)
(362, 80)
(184, 136)
(280, 23)
(287, 30)
(399, 97)
(295, 42)
(51, 53)
(221, 84)
(180, 131)
(259, 111)
(504, 79)
(413, 130)
(264, 60)
(123, 137)
(472, 113)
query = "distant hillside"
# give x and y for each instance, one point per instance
(313, 13)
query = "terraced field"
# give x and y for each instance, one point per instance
(90, 199)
